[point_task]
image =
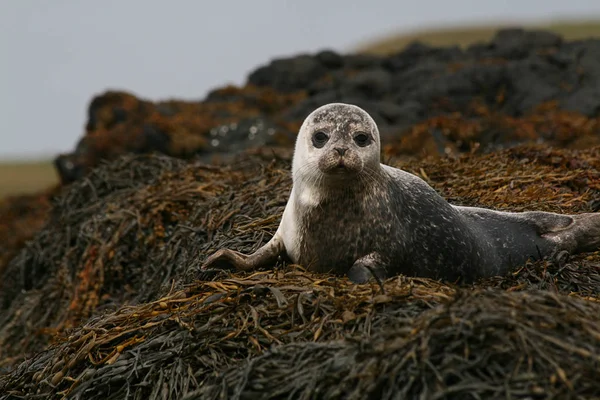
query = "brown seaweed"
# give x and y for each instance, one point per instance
(116, 305)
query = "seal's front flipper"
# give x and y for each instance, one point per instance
(367, 267)
(581, 236)
(266, 255)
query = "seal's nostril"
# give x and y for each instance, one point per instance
(341, 151)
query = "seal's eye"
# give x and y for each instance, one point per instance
(319, 139)
(362, 139)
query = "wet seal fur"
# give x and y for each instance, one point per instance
(351, 215)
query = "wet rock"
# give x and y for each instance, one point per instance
(237, 136)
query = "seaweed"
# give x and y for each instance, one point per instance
(117, 307)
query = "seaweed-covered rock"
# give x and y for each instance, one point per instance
(20, 218)
(298, 335)
(491, 345)
(119, 123)
(291, 74)
(141, 224)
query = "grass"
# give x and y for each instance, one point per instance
(24, 177)
(464, 36)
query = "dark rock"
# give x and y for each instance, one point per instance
(418, 53)
(237, 136)
(413, 78)
(518, 43)
(586, 101)
(405, 113)
(69, 167)
(334, 81)
(153, 139)
(166, 109)
(301, 110)
(362, 61)
(330, 59)
(114, 102)
(510, 77)
(588, 60)
(530, 83)
(374, 83)
(289, 74)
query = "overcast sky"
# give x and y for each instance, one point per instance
(57, 54)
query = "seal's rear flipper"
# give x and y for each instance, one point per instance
(580, 236)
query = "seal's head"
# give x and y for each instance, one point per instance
(336, 141)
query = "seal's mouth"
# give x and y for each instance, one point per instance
(339, 166)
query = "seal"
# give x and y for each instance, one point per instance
(348, 214)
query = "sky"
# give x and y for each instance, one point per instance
(57, 55)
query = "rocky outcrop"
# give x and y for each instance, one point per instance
(523, 86)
